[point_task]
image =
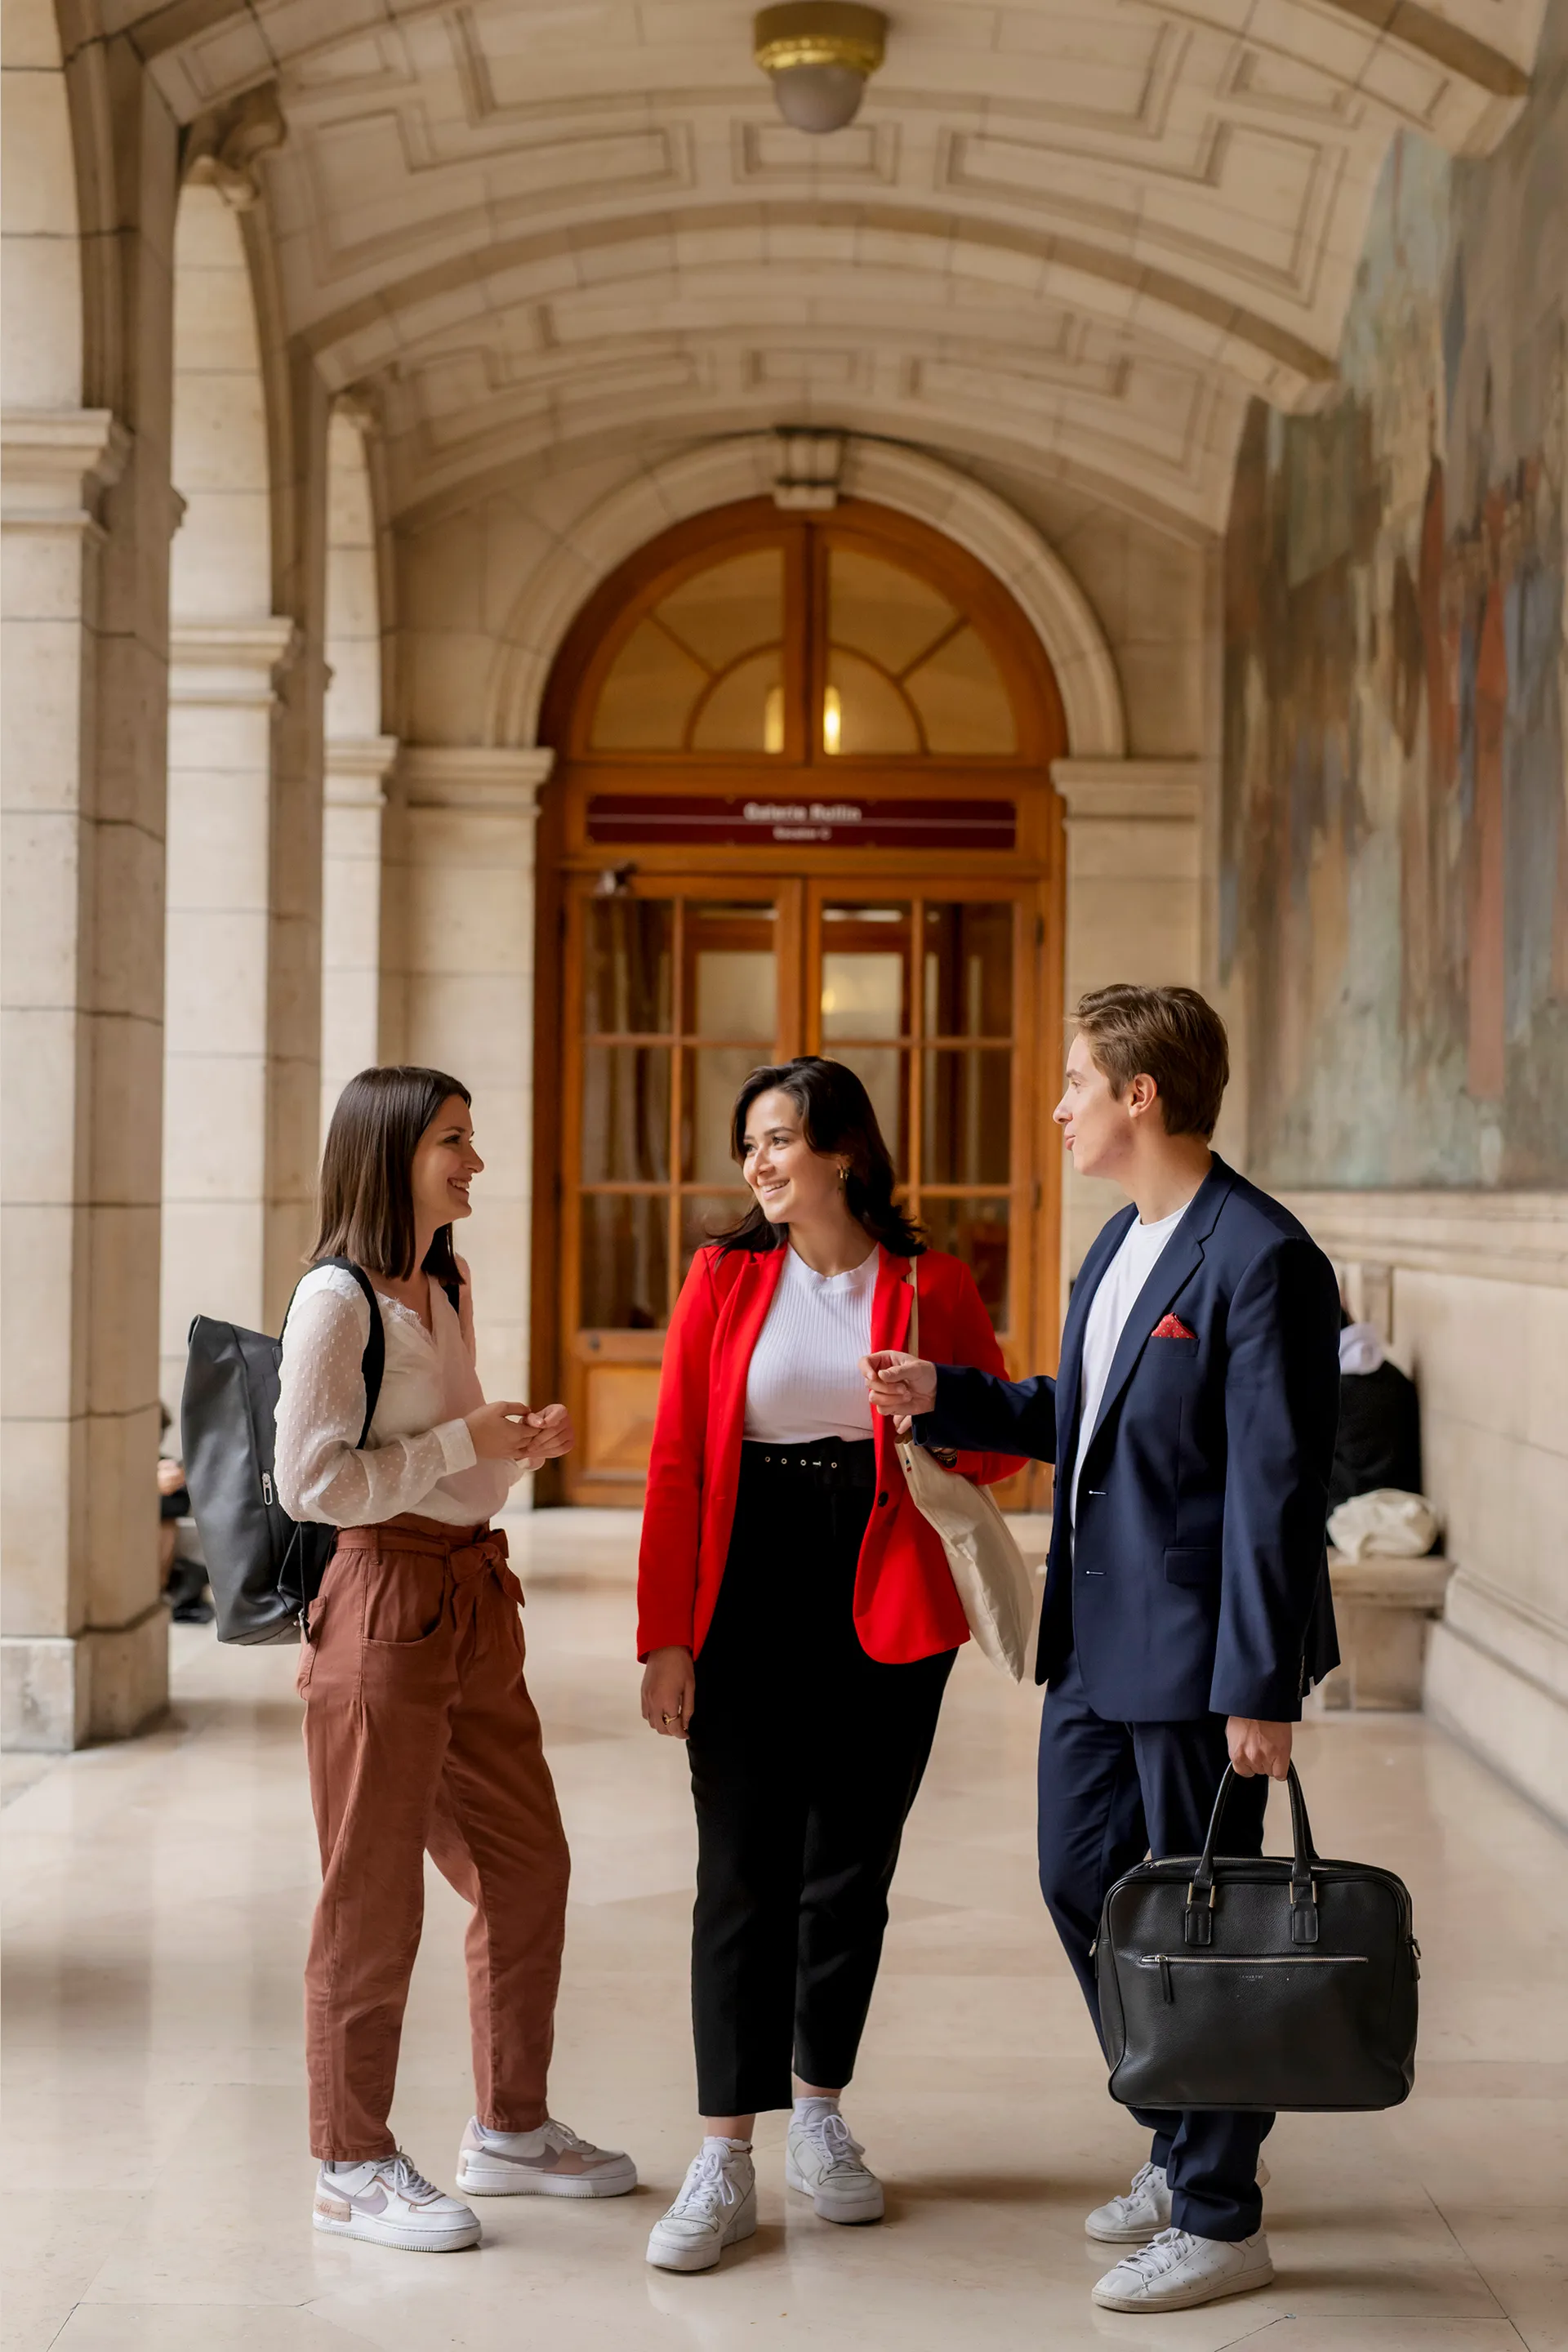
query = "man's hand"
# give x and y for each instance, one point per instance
(1259, 1747)
(899, 1385)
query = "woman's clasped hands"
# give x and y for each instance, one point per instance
(509, 1432)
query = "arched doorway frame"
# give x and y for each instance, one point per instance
(884, 474)
(1030, 873)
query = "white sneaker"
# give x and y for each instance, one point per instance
(717, 2208)
(1133, 2219)
(823, 2162)
(1176, 2270)
(550, 2162)
(386, 2200)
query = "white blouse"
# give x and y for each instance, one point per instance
(419, 1456)
(803, 1380)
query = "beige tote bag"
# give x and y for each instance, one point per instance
(989, 1570)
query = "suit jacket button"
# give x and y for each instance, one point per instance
(880, 1500)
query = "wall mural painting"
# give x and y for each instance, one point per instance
(1395, 799)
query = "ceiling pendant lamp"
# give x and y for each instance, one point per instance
(819, 54)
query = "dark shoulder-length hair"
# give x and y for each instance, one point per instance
(366, 1190)
(836, 1118)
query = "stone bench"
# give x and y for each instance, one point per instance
(1383, 1608)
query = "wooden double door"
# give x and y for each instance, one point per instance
(802, 804)
(680, 985)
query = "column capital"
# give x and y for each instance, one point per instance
(234, 663)
(55, 463)
(1163, 792)
(488, 780)
(356, 769)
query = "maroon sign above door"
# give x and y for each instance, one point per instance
(694, 821)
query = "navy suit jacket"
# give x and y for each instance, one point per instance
(1197, 1581)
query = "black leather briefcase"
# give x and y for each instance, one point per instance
(1261, 1983)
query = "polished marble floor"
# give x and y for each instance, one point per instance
(157, 2193)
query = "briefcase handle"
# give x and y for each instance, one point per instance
(1198, 1919)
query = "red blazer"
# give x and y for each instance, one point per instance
(905, 1603)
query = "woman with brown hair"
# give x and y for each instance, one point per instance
(419, 1732)
(798, 1620)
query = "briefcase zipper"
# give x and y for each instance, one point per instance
(1166, 1961)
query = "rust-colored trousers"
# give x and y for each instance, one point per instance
(421, 1738)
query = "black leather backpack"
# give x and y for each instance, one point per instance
(265, 1569)
(1258, 1982)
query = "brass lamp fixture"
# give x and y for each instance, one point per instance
(820, 55)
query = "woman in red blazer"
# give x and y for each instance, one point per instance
(798, 1622)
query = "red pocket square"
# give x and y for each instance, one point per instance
(1173, 1328)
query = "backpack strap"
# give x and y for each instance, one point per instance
(373, 1363)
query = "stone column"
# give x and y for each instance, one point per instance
(357, 774)
(1134, 904)
(223, 683)
(466, 821)
(85, 1647)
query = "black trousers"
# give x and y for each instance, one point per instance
(805, 1758)
(1109, 1794)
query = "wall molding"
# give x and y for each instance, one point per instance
(232, 663)
(1494, 1236)
(55, 462)
(1142, 792)
(488, 781)
(356, 767)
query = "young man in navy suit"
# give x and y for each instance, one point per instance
(1187, 1607)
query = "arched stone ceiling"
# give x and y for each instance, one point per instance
(1065, 234)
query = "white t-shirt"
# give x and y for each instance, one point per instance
(1112, 1305)
(803, 1381)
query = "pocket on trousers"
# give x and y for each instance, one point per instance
(1197, 1566)
(404, 1601)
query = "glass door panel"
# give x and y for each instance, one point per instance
(626, 1114)
(904, 987)
(703, 1217)
(629, 967)
(864, 992)
(976, 1230)
(968, 987)
(863, 996)
(679, 1000)
(714, 1076)
(967, 1117)
(625, 1244)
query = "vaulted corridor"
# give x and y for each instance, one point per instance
(521, 558)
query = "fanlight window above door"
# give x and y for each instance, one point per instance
(906, 671)
(816, 646)
(703, 669)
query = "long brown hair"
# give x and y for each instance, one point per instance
(366, 1191)
(836, 1115)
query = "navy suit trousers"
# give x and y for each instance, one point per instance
(1111, 1793)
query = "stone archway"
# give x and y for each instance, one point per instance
(889, 474)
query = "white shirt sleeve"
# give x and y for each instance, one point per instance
(321, 1472)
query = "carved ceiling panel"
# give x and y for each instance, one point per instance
(1085, 227)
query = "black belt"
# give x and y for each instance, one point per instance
(830, 1462)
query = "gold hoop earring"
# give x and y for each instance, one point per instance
(843, 1173)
